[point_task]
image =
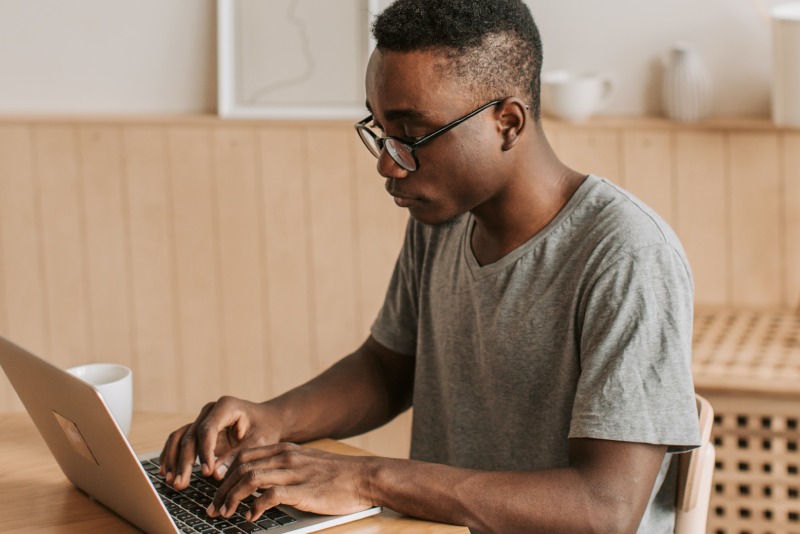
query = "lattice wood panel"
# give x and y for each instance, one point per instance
(747, 364)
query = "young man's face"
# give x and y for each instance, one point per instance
(409, 98)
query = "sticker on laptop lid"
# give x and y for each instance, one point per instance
(75, 438)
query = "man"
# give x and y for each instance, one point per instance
(538, 320)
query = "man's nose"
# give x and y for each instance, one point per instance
(389, 168)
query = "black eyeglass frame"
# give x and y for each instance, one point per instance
(380, 142)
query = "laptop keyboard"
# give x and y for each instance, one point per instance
(188, 507)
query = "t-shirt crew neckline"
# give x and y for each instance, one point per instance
(478, 271)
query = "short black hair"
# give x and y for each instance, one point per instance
(494, 45)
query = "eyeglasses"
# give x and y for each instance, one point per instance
(403, 152)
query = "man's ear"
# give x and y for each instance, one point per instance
(512, 119)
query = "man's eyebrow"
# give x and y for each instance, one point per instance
(402, 114)
(405, 114)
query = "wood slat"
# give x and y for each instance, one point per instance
(108, 273)
(197, 262)
(22, 311)
(790, 151)
(153, 309)
(333, 262)
(702, 212)
(287, 246)
(591, 151)
(238, 203)
(755, 218)
(64, 244)
(649, 174)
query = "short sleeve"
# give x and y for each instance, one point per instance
(395, 327)
(635, 353)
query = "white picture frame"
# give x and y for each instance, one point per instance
(276, 62)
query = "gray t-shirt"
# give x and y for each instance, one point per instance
(582, 331)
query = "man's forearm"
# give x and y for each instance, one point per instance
(579, 498)
(359, 393)
(545, 501)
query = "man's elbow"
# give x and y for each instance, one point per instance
(615, 515)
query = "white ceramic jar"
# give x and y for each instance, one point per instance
(686, 90)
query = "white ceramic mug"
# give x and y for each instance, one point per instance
(574, 96)
(115, 384)
(786, 64)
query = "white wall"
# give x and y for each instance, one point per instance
(107, 56)
(154, 56)
(630, 39)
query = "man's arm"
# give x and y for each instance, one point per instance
(360, 392)
(605, 488)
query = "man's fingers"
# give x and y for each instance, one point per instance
(224, 417)
(186, 455)
(271, 496)
(243, 481)
(206, 437)
(273, 466)
(171, 452)
(178, 455)
(224, 463)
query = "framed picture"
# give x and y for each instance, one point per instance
(293, 59)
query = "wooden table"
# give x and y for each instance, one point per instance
(35, 495)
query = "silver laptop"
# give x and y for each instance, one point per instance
(95, 456)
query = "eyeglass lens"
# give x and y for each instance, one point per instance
(398, 151)
(401, 154)
(369, 141)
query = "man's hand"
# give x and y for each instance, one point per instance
(222, 429)
(305, 478)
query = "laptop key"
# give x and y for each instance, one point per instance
(237, 519)
(267, 524)
(272, 513)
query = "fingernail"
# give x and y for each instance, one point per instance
(221, 470)
(211, 509)
(223, 510)
(178, 479)
(248, 515)
(206, 470)
(170, 476)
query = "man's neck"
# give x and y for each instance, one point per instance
(521, 213)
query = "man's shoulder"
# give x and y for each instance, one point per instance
(610, 211)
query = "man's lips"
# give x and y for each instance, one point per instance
(402, 199)
(404, 202)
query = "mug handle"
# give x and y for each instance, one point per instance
(608, 90)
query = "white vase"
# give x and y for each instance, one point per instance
(686, 90)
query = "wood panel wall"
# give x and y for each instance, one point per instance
(731, 190)
(222, 257)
